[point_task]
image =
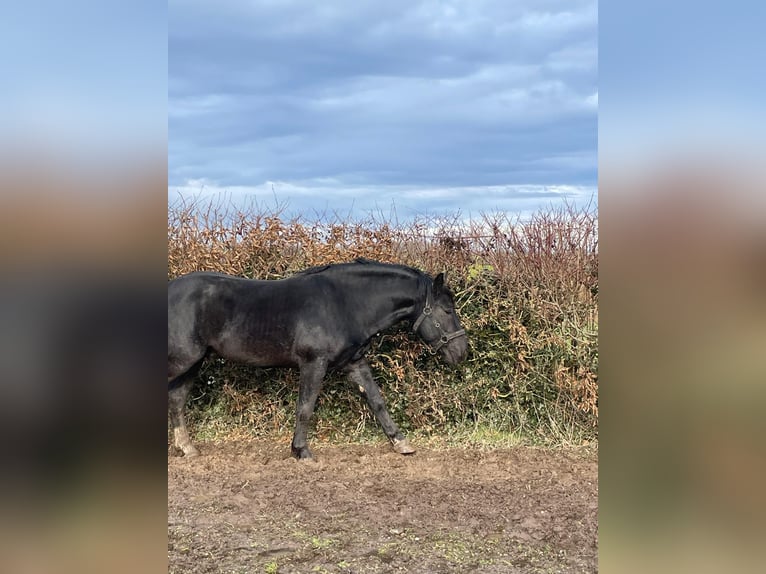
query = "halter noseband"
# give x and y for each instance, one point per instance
(445, 337)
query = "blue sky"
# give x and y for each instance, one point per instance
(435, 107)
(85, 81)
(679, 79)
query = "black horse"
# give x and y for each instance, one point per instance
(319, 319)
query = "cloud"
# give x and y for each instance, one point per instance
(415, 94)
(329, 197)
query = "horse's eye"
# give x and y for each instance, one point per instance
(448, 311)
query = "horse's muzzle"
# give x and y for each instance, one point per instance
(456, 350)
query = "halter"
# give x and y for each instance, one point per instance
(445, 337)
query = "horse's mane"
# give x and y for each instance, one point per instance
(355, 262)
(312, 270)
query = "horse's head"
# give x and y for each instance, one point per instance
(438, 324)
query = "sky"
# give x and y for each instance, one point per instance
(83, 81)
(420, 107)
(680, 79)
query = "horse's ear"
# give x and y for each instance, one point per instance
(439, 283)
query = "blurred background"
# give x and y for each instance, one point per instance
(83, 179)
(683, 287)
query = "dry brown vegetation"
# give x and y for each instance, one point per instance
(527, 293)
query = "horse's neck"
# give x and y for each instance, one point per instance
(394, 315)
(389, 302)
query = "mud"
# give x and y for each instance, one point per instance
(248, 507)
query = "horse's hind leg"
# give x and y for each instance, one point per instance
(359, 373)
(177, 397)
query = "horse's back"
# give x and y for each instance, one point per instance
(201, 281)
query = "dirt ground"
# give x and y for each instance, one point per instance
(249, 507)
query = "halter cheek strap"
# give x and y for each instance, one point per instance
(445, 337)
(425, 313)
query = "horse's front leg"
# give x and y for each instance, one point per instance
(311, 377)
(359, 373)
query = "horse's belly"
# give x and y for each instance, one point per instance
(256, 353)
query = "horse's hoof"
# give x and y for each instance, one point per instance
(302, 453)
(191, 452)
(403, 446)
